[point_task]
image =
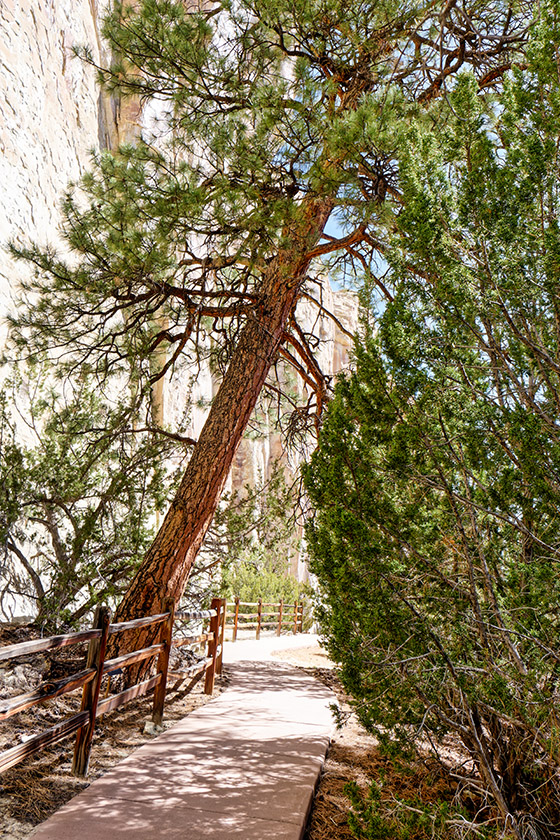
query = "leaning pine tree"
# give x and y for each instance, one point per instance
(437, 480)
(276, 116)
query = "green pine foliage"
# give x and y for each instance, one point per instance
(252, 579)
(263, 106)
(255, 537)
(373, 818)
(258, 522)
(437, 482)
(81, 484)
(269, 119)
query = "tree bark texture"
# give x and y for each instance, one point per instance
(165, 569)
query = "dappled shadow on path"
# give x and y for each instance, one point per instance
(245, 765)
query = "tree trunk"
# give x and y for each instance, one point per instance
(165, 569)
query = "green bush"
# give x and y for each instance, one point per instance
(371, 818)
(436, 539)
(250, 581)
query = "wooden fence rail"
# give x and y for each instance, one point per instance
(89, 679)
(285, 616)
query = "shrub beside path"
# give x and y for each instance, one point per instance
(245, 765)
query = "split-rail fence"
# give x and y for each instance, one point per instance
(97, 666)
(249, 615)
(286, 616)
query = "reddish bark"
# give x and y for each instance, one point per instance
(165, 569)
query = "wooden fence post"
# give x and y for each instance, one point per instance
(295, 617)
(165, 638)
(280, 608)
(301, 618)
(259, 619)
(220, 657)
(235, 620)
(213, 646)
(90, 693)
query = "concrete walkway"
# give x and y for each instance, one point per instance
(245, 765)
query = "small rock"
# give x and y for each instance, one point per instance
(150, 728)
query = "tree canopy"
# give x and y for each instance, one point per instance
(262, 110)
(436, 484)
(272, 120)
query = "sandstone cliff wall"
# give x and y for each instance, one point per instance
(49, 117)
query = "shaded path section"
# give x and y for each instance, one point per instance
(245, 765)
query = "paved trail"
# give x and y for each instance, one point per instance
(245, 765)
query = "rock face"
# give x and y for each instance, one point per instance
(49, 117)
(52, 116)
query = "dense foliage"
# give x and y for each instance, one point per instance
(257, 539)
(255, 115)
(437, 483)
(250, 581)
(79, 496)
(252, 544)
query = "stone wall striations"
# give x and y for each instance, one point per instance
(49, 117)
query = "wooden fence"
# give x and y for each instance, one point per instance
(89, 679)
(285, 616)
